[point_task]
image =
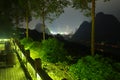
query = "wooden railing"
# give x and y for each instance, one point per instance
(32, 68)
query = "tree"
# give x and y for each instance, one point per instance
(25, 4)
(48, 10)
(6, 18)
(17, 16)
(93, 28)
(84, 5)
(16, 11)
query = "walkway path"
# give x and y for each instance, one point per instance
(12, 73)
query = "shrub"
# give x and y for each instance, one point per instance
(35, 45)
(93, 68)
(27, 42)
(53, 50)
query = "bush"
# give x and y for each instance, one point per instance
(53, 50)
(35, 45)
(27, 42)
(93, 68)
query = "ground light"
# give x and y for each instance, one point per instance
(2, 43)
(4, 40)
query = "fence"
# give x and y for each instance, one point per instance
(33, 68)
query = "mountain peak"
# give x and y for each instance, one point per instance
(106, 29)
(38, 28)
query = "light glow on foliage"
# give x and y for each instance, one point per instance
(38, 77)
(34, 54)
(53, 76)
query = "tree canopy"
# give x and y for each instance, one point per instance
(20, 10)
(48, 10)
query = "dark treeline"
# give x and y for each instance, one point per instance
(17, 11)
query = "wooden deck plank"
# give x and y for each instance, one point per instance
(12, 73)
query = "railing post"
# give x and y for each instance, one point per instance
(37, 64)
(27, 54)
(40, 71)
(15, 45)
(22, 48)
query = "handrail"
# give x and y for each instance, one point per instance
(36, 64)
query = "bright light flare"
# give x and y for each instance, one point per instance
(62, 33)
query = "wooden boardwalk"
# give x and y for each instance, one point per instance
(12, 73)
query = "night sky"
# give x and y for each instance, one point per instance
(70, 21)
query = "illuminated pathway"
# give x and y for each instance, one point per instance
(10, 73)
(16, 63)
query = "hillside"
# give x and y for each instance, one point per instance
(107, 28)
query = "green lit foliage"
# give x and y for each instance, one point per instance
(30, 44)
(27, 42)
(57, 71)
(56, 62)
(53, 50)
(93, 68)
(35, 46)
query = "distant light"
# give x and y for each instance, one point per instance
(54, 33)
(62, 33)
